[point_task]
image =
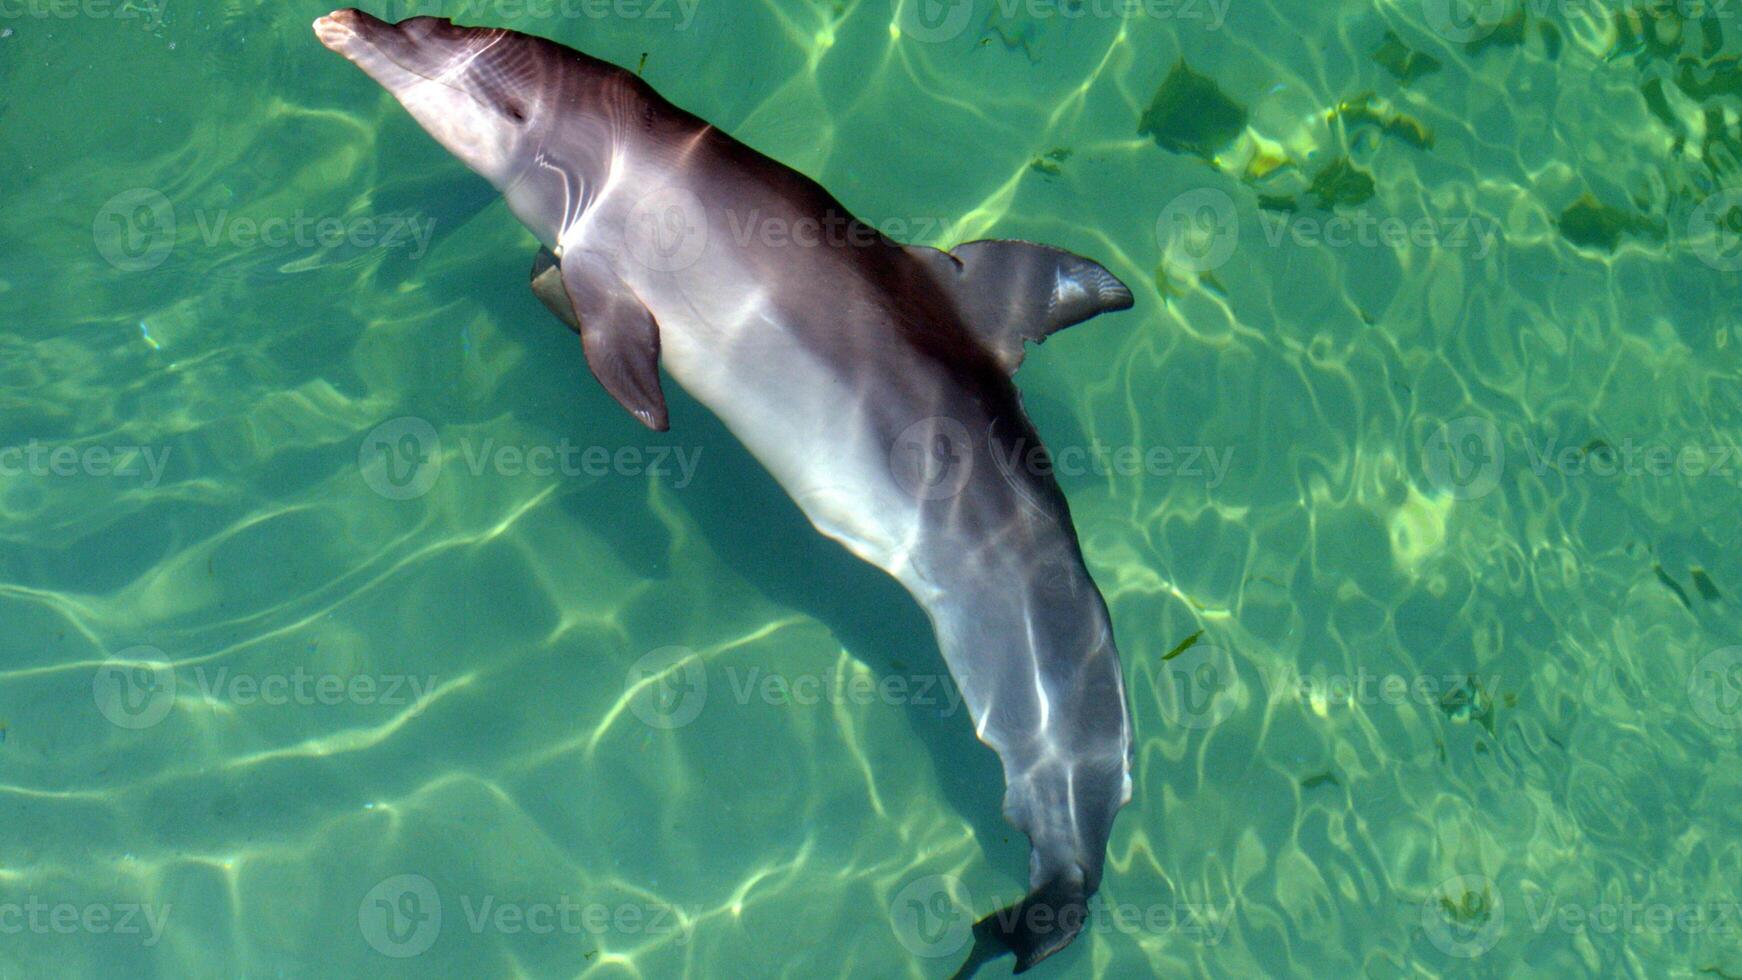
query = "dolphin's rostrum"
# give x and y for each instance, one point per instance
(872, 379)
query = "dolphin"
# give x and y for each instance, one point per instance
(872, 379)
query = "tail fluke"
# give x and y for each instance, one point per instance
(1033, 929)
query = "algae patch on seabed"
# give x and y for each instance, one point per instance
(1467, 700)
(1703, 582)
(1049, 164)
(1672, 585)
(1191, 114)
(1402, 61)
(1690, 85)
(1509, 33)
(1341, 182)
(1589, 223)
(1368, 109)
(1469, 910)
(1183, 646)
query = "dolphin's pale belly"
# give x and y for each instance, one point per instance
(801, 418)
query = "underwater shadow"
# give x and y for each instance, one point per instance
(745, 515)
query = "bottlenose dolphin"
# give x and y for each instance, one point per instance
(871, 378)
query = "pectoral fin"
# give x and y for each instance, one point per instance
(618, 333)
(547, 285)
(1013, 291)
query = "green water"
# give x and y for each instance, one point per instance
(347, 628)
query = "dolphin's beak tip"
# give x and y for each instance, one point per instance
(337, 27)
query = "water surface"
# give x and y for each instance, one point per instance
(347, 628)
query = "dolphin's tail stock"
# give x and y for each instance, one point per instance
(1027, 637)
(1052, 705)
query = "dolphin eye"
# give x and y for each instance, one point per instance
(515, 111)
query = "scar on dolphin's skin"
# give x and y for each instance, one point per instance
(871, 378)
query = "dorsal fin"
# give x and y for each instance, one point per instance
(1013, 291)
